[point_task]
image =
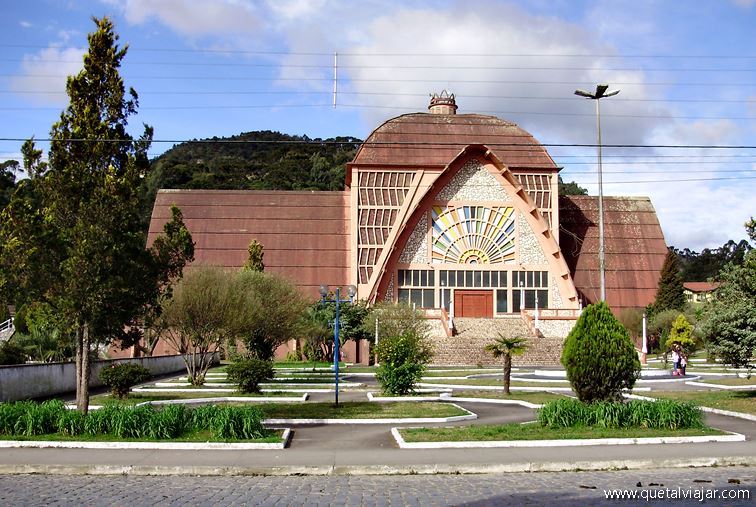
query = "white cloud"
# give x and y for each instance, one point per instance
(43, 74)
(746, 4)
(194, 18)
(25, 24)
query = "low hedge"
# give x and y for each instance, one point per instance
(668, 414)
(26, 418)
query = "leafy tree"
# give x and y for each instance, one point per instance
(729, 328)
(8, 171)
(570, 188)
(506, 347)
(72, 237)
(682, 333)
(706, 265)
(669, 294)
(269, 310)
(352, 319)
(248, 372)
(395, 319)
(173, 250)
(11, 353)
(254, 257)
(402, 361)
(198, 317)
(599, 357)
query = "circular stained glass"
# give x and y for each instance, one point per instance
(473, 235)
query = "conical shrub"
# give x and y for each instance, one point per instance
(599, 357)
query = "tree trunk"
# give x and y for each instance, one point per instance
(507, 372)
(83, 368)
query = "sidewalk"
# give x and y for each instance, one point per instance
(370, 449)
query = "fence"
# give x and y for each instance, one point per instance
(28, 381)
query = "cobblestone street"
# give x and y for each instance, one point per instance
(533, 489)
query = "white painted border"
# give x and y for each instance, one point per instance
(732, 437)
(167, 446)
(470, 416)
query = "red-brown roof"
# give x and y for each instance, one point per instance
(634, 248)
(432, 140)
(701, 286)
(305, 235)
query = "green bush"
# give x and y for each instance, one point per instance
(29, 418)
(599, 357)
(238, 423)
(248, 372)
(402, 360)
(668, 414)
(10, 353)
(122, 377)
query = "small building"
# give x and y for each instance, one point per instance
(699, 292)
(456, 214)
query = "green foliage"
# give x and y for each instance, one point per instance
(238, 423)
(249, 372)
(395, 319)
(122, 377)
(44, 337)
(506, 347)
(668, 414)
(143, 422)
(254, 257)
(11, 353)
(599, 357)
(660, 325)
(729, 327)
(682, 333)
(251, 161)
(8, 171)
(268, 311)
(706, 265)
(320, 318)
(669, 294)
(402, 360)
(571, 188)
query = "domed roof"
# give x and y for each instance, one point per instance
(434, 140)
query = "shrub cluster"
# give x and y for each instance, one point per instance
(668, 414)
(122, 377)
(28, 418)
(249, 372)
(402, 362)
(10, 353)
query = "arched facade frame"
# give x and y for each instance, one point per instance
(520, 201)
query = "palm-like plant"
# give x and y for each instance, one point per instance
(506, 347)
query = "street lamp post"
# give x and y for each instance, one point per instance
(601, 92)
(352, 291)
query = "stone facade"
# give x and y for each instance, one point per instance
(416, 250)
(530, 250)
(473, 183)
(555, 296)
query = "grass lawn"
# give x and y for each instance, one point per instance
(360, 410)
(198, 436)
(492, 382)
(733, 381)
(531, 397)
(536, 432)
(736, 401)
(135, 398)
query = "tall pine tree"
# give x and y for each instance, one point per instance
(669, 294)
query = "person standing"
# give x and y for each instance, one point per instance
(675, 358)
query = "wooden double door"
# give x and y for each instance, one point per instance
(473, 303)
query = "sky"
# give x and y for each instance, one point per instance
(682, 130)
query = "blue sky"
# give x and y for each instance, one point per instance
(203, 68)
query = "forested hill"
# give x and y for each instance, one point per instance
(261, 160)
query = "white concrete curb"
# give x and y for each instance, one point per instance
(494, 388)
(414, 420)
(372, 397)
(166, 446)
(218, 399)
(732, 437)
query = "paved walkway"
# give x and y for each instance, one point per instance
(567, 489)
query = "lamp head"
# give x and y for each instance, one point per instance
(352, 291)
(323, 290)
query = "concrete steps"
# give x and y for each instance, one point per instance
(468, 345)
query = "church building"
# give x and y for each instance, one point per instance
(456, 214)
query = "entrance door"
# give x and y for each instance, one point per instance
(473, 303)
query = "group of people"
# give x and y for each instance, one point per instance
(679, 359)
